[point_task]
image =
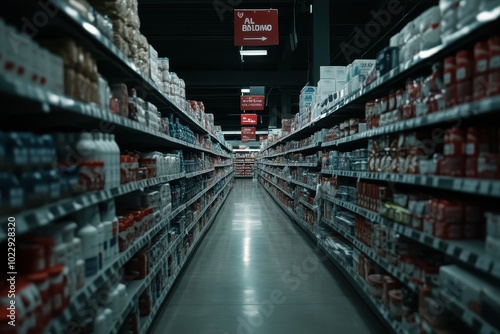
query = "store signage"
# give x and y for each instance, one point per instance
(255, 27)
(251, 102)
(248, 133)
(248, 119)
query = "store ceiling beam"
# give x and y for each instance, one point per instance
(241, 79)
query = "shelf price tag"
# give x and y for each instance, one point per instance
(471, 185)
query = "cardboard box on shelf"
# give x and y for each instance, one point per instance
(333, 72)
(361, 67)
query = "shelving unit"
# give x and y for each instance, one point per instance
(345, 190)
(50, 112)
(244, 164)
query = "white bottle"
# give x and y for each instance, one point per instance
(115, 300)
(123, 295)
(100, 245)
(116, 156)
(110, 222)
(100, 323)
(87, 232)
(86, 147)
(68, 234)
(77, 249)
(79, 274)
(110, 320)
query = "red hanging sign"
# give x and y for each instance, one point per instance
(248, 133)
(255, 27)
(252, 102)
(248, 119)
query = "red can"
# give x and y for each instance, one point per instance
(450, 81)
(481, 59)
(494, 66)
(464, 75)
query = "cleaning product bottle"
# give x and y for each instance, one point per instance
(87, 232)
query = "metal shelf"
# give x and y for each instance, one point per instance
(92, 284)
(31, 219)
(478, 108)
(482, 187)
(469, 252)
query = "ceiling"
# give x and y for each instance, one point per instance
(197, 37)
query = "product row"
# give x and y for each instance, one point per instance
(38, 169)
(471, 152)
(62, 66)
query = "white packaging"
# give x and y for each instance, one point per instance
(462, 285)
(430, 38)
(154, 71)
(332, 72)
(429, 19)
(326, 87)
(449, 20)
(492, 224)
(488, 4)
(7, 42)
(467, 11)
(86, 219)
(355, 84)
(493, 247)
(23, 48)
(394, 41)
(362, 67)
(42, 68)
(56, 79)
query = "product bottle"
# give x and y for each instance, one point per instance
(111, 229)
(87, 232)
(116, 158)
(86, 147)
(100, 323)
(110, 320)
(100, 245)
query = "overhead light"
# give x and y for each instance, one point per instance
(253, 52)
(245, 90)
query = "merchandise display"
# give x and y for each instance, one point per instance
(244, 164)
(92, 210)
(409, 185)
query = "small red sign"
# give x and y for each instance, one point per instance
(252, 102)
(248, 133)
(248, 119)
(254, 27)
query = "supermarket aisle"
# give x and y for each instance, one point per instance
(256, 272)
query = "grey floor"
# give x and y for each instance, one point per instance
(256, 272)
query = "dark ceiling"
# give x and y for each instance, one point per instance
(197, 37)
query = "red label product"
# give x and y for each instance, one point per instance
(494, 66)
(481, 59)
(450, 82)
(464, 75)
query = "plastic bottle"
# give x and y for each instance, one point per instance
(100, 323)
(87, 232)
(110, 320)
(115, 301)
(100, 245)
(116, 158)
(110, 222)
(86, 147)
